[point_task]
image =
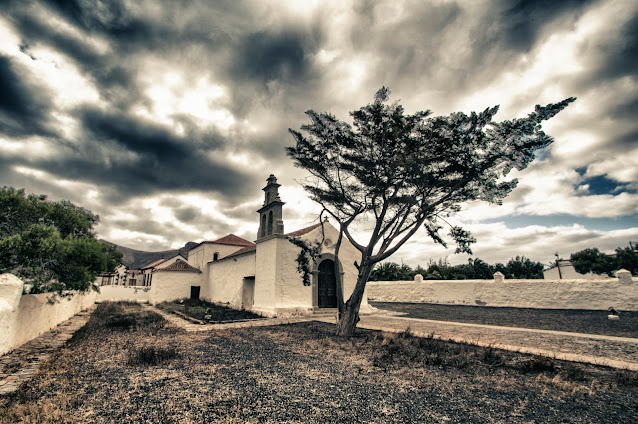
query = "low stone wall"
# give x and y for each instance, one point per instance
(124, 293)
(621, 294)
(24, 317)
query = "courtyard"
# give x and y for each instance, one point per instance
(128, 364)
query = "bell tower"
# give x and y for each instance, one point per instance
(270, 215)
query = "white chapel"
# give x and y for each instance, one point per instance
(265, 276)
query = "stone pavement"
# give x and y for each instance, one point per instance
(20, 364)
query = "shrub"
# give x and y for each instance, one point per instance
(151, 355)
(539, 364)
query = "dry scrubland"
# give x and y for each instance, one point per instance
(127, 366)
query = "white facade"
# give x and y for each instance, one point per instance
(200, 255)
(266, 279)
(228, 279)
(263, 276)
(169, 284)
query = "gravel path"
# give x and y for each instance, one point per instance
(17, 366)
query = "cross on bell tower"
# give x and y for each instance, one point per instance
(270, 215)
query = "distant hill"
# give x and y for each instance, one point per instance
(135, 259)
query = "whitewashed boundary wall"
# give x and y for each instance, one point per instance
(124, 293)
(169, 286)
(24, 317)
(620, 293)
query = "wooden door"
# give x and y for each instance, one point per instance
(327, 285)
(195, 292)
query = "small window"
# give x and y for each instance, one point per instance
(215, 256)
(132, 282)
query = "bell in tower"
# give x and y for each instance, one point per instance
(270, 215)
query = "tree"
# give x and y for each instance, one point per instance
(390, 271)
(441, 270)
(593, 260)
(387, 271)
(523, 268)
(402, 172)
(51, 245)
(627, 258)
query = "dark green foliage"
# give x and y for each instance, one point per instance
(390, 271)
(627, 258)
(51, 245)
(523, 268)
(402, 172)
(475, 269)
(19, 211)
(593, 260)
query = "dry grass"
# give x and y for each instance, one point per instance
(144, 371)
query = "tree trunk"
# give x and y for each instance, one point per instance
(350, 316)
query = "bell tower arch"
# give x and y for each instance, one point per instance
(270, 215)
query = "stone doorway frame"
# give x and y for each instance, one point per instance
(315, 277)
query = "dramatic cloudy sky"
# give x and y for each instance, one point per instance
(165, 118)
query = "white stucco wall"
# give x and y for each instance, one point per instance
(168, 286)
(24, 317)
(226, 279)
(202, 254)
(547, 294)
(265, 274)
(291, 296)
(279, 288)
(128, 293)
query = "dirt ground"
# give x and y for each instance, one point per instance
(572, 320)
(126, 365)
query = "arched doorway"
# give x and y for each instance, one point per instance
(327, 285)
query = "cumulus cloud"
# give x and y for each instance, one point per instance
(166, 117)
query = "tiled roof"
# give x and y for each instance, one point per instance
(303, 230)
(230, 239)
(179, 266)
(233, 240)
(247, 249)
(153, 264)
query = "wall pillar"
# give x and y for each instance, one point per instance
(624, 277)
